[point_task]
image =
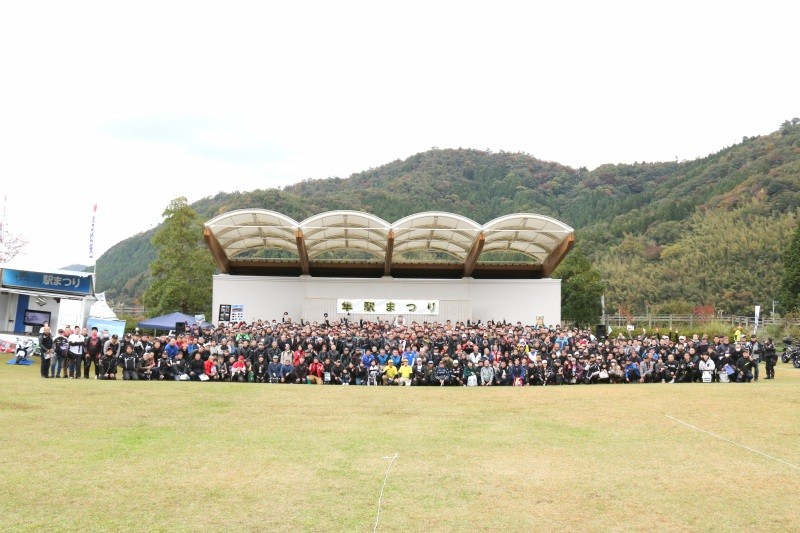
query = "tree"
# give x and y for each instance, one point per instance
(789, 294)
(181, 272)
(581, 290)
(10, 244)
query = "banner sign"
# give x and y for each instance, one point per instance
(758, 315)
(113, 326)
(387, 306)
(61, 282)
(91, 233)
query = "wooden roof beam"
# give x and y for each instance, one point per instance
(474, 254)
(302, 253)
(555, 257)
(217, 252)
(387, 268)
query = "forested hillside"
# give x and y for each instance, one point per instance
(705, 232)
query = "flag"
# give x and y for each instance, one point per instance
(758, 314)
(91, 233)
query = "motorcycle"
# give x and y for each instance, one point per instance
(791, 352)
(25, 349)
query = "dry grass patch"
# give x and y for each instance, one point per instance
(220, 457)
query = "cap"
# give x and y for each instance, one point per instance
(114, 336)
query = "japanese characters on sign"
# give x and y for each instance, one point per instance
(59, 282)
(386, 306)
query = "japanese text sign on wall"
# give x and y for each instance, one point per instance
(58, 282)
(387, 306)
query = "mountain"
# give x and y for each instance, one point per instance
(707, 232)
(77, 268)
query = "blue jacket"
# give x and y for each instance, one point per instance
(367, 358)
(286, 370)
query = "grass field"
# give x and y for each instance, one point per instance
(101, 456)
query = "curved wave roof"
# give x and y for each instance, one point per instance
(357, 244)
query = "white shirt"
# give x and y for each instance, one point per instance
(76, 338)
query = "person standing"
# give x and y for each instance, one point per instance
(755, 354)
(61, 347)
(46, 345)
(76, 349)
(94, 352)
(770, 357)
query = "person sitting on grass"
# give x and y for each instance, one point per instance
(196, 367)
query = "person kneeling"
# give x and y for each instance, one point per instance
(108, 365)
(389, 373)
(239, 371)
(129, 363)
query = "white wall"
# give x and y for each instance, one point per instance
(511, 300)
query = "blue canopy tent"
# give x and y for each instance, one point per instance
(168, 321)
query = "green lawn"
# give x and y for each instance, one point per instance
(97, 456)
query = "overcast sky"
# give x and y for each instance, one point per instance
(130, 104)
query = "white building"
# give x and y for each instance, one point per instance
(30, 298)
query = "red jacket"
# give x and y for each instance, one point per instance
(316, 369)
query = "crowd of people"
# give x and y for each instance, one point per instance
(393, 353)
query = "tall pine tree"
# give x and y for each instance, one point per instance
(181, 273)
(789, 295)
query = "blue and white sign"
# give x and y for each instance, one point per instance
(56, 281)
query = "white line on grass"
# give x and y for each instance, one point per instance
(734, 443)
(380, 496)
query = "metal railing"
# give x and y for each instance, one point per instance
(128, 310)
(651, 321)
